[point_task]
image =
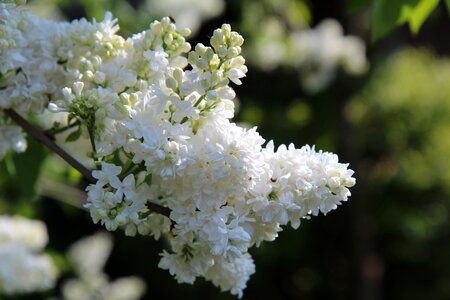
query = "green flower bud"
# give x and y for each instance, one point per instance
(168, 39)
(185, 32)
(171, 83)
(178, 75)
(208, 54)
(214, 62)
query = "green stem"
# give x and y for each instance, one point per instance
(53, 131)
(94, 148)
(133, 169)
(201, 99)
(197, 103)
(126, 168)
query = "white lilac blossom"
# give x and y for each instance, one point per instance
(157, 114)
(23, 269)
(11, 137)
(89, 256)
(320, 52)
(38, 57)
(31, 234)
(317, 53)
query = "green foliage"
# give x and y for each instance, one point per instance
(75, 135)
(401, 131)
(280, 18)
(415, 14)
(354, 5)
(386, 15)
(96, 9)
(448, 4)
(299, 113)
(406, 106)
(20, 172)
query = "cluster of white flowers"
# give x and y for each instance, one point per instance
(321, 51)
(318, 53)
(160, 130)
(38, 57)
(23, 269)
(11, 137)
(88, 257)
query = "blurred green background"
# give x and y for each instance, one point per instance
(392, 124)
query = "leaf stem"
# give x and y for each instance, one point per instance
(53, 131)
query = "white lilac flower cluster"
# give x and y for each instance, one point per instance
(88, 257)
(38, 57)
(11, 137)
(321, 51)
(160, 131)
(317, 53)
(23, 268)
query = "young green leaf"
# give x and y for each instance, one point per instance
(27, 169)
(386, 15)
(417, 14)
(74, 135)
(448, 5)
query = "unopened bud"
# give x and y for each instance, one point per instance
(99, 77)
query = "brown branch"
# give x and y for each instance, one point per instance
(43, 138)
(165, 211)
(47, 141)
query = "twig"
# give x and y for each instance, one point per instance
(47, 141)
(53, 131)
(165, 211)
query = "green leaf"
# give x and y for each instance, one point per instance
(148, 179)
(7, 171)
(419, 13)
(387, 15)
(298, 14)
(96, 9)
(74, 135)
(27, 169)
(448, 5)
(384, 18)
(354, 5)
(60, 261)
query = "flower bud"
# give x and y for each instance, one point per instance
(200, 49)
(178, 75)
(168, 39)
(236, 39)
(185, 32)
(99, 77)
(171, 83)
(78, 88)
